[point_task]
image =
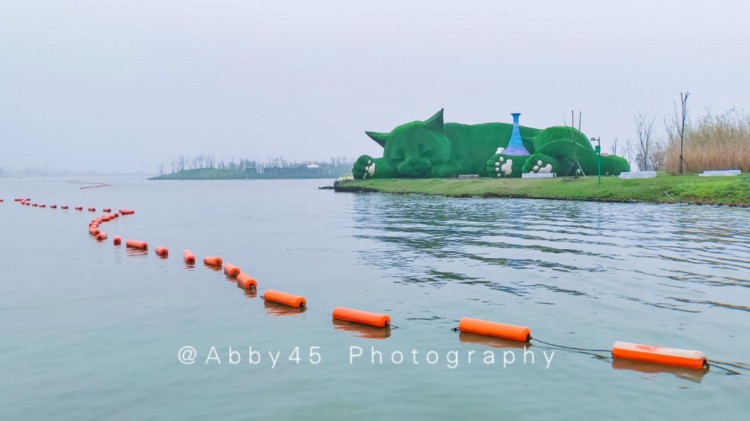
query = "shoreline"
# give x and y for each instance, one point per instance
(665, 188)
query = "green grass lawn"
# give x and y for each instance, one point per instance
(733, 191)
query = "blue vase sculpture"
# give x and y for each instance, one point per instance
(515, 145)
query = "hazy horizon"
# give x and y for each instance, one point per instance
(122, 87)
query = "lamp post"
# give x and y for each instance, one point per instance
(598, 149)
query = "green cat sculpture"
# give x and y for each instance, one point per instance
(433, 149)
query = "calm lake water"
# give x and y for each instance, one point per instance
(93, 331)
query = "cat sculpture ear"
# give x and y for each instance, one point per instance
(381, 138)
(435, 123)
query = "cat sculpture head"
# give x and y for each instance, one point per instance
(415, 149)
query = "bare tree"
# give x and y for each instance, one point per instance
(676, 128)
(683, 119)
(614, 147)
(645, 145)
(161, 168)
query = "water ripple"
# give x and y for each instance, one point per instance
(598, 249)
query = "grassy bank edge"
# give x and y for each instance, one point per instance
(692, 189)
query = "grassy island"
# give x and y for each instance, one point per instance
(204, 174)
(229, 174)
(665, 188)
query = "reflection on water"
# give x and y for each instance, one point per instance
(362, 331)
(249, 293)
(136, 252)
(589, 250)
(275, 309)
(695, 376)
(471, 338)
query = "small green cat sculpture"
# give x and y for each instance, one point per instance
(433, 149)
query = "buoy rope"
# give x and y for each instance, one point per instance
(721, 364)
(91, 185)
(741, 366)
(96, 186)
(729, 370)
(571, 348)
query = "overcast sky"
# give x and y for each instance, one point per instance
(126, 85)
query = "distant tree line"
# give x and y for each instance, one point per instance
(335, 166)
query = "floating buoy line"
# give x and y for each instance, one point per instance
(88, 185)
(620, 351)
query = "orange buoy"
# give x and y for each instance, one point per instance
(162, 251)
(53, 206)
(494, 329)
(108, 210)
(659, 355)
(64, 207)
(136, 244)
(117, 240)
(284, 298)
(213, 261)
(101, 236)
(80, 208)
(127, 211)
(94, 231)
(42, 206)
(92, 209)
(189, 257)
(231, 270)
(361, 317)
(246, 281)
